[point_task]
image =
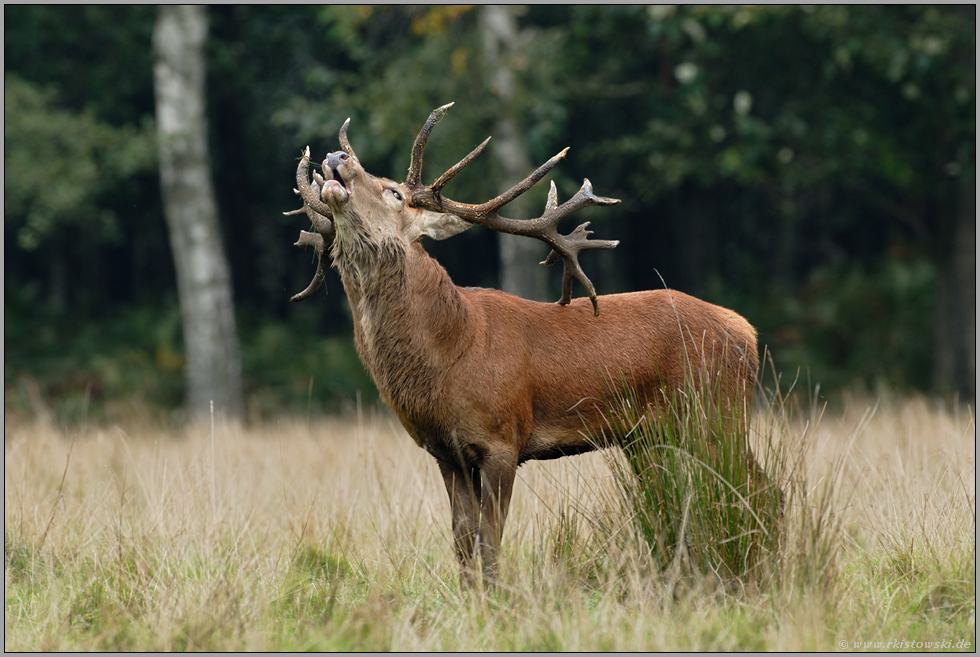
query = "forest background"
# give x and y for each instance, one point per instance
(812, 168)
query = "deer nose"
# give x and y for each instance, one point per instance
(334, 160)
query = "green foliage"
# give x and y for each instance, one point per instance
(796, 98)
(848, 325)
(131, 362)
(58, 164)
(771, 143)
(96, 56)
(91, 370)
(289, 367)
(394, 65)
(852, 327)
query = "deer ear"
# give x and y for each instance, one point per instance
(440, 225)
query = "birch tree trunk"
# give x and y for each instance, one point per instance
(520, 273)
(213, 360)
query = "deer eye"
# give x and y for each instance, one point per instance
(396, 194)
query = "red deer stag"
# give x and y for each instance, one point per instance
(481, 379)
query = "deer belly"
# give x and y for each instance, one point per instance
(555, 443)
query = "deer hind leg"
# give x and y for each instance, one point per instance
(497, 475)
(463, 486)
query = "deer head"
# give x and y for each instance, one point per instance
(351, 203)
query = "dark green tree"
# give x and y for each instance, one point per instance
(777, 143)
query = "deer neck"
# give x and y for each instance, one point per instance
(408, 316)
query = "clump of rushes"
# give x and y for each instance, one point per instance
(703, 505)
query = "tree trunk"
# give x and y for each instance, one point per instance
(213, 361)
(520, 272)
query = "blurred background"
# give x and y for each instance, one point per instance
(812, 168)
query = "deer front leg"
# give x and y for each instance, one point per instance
(463, 487)
(497, 481)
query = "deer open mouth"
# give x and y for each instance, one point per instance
(335, 188)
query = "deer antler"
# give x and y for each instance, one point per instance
(320, 216)
(544, 228)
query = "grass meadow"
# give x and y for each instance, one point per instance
(334, 534)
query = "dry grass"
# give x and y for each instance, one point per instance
(335, 535)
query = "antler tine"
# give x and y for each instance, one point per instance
(459, 166)
(321, 218)
(574, 243)
(414, 178)
(319, 244)
(567, 247)
(322, 224)
(342, 137)
(544, 228)
(310, 198)
(430, 198)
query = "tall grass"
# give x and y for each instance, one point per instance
(694, 491)
(334, 535)
(713, 500)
